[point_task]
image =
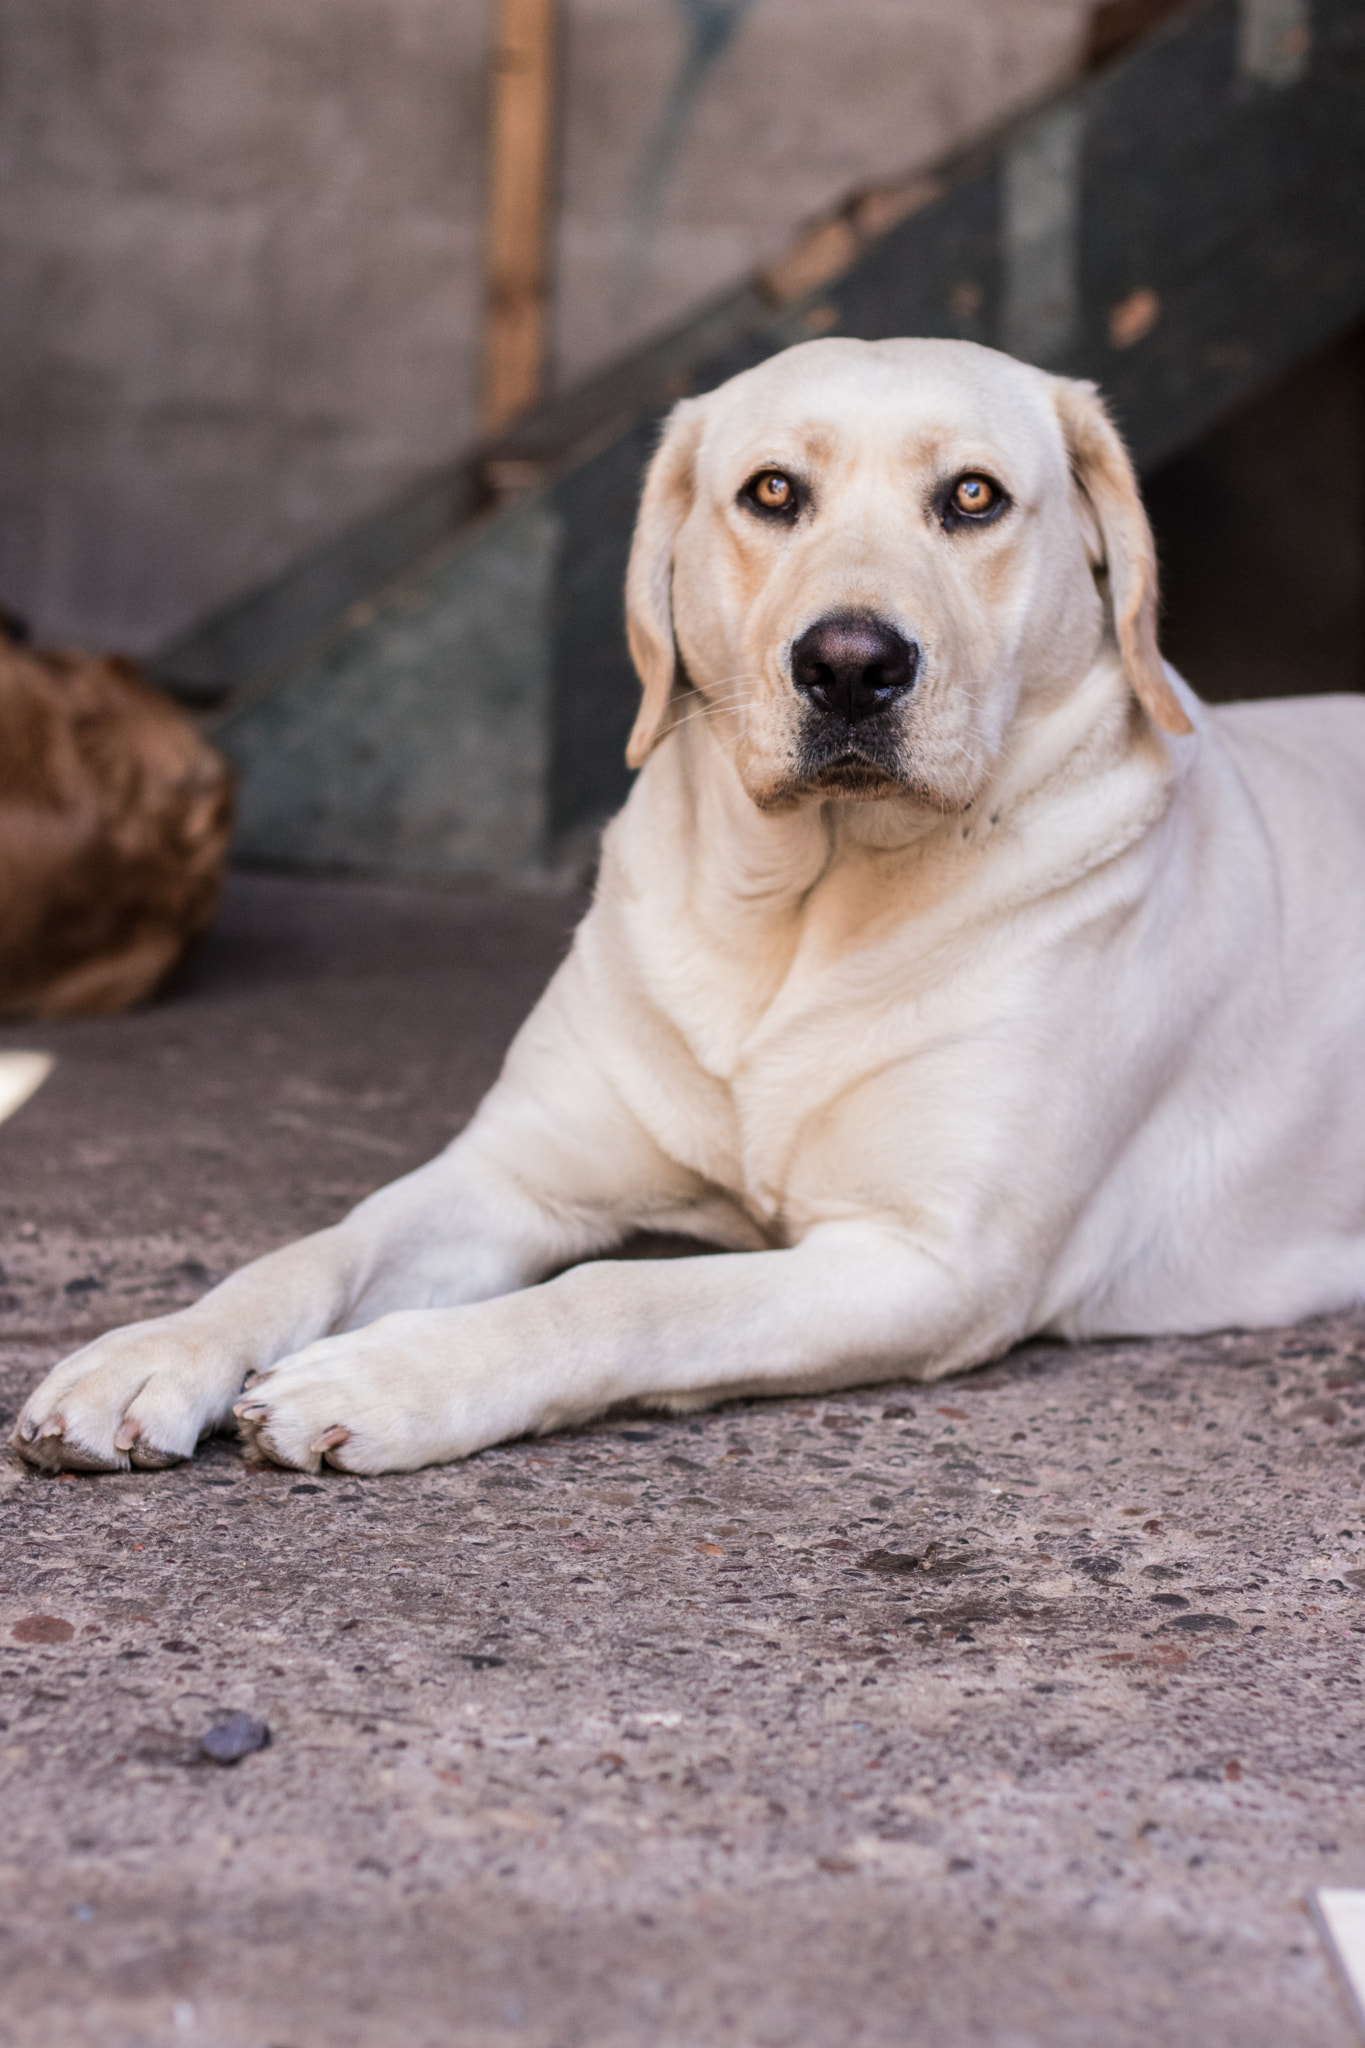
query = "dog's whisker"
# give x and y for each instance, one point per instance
(710, 707)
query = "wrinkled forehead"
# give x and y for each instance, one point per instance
(938, 405)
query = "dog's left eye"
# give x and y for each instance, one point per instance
(975, 496)
(771, 491)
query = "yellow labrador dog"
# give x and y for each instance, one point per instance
(951, 967)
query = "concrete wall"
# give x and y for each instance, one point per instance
(237, 306)
(240, 244)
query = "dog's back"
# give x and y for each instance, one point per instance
(1303, 761)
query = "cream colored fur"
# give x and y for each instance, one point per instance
(1054, 1022)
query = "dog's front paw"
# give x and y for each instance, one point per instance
(141, 1397)
(340, 1401)
(415, 1388)
(279, 1418)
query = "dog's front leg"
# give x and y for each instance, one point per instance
(852, 1302)
(553, 1167)
(456, 1230)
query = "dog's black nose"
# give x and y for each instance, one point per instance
(854, 664)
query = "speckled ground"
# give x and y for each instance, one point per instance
(1024, 1711)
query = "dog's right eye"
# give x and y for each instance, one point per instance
(773, 493)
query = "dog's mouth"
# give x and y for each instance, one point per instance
(869, 761)
(859, 762)
(854, 778)
(851, 777)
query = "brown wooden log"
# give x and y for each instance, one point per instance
(114, 825)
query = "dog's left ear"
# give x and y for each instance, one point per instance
(1121, 546)
(664, 505)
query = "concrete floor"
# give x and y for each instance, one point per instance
(657, 1734)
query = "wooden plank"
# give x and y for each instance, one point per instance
(518, 252)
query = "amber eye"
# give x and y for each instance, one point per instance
(772, 492)
(973, 495)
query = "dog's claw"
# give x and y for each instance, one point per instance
(249, 1419)
(330, 1440)
(146, 1458)
(51, 1450)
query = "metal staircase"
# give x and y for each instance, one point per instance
(444, 689)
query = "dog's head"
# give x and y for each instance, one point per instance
(869, 555)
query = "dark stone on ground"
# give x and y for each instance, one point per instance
(233, 1737)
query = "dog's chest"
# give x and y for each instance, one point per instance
(774, 1018)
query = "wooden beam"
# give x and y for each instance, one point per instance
(1114, 24)
(518, 250)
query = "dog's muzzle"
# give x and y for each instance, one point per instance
(853, 665)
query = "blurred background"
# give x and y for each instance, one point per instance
(265, 265)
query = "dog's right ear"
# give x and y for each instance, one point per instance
(1121, 545)
(664, 505)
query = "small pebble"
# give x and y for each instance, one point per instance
(234, 1737)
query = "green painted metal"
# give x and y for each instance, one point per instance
(446, 688)
(414, 741)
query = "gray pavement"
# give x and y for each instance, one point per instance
(1024, 1710)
